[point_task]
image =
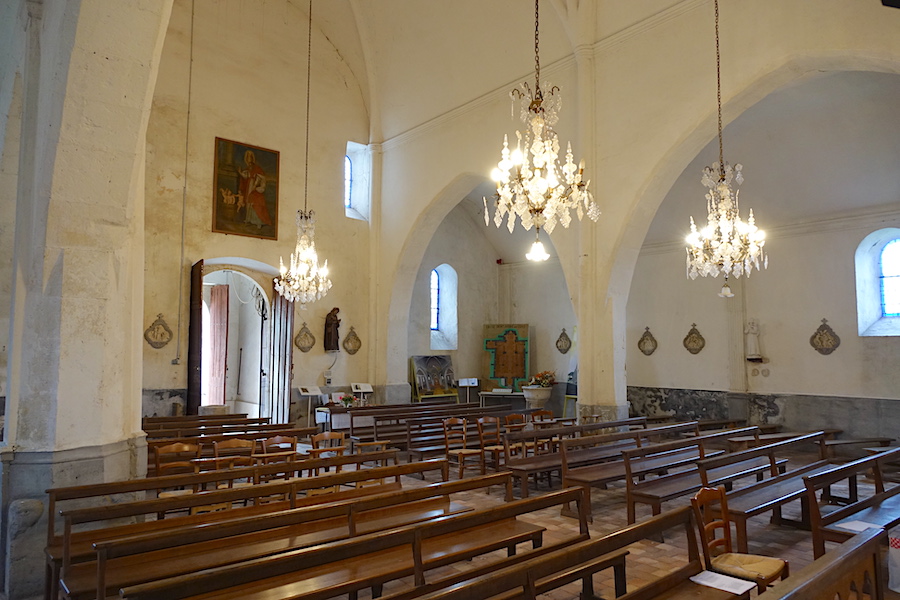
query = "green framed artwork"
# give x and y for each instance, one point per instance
(245, 190)
(506, 353)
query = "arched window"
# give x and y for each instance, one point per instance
(878, 283)
(890, 279)
(348, 182)
(357, 175)
(435, 300)
(444, 316)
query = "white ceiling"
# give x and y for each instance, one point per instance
(823, 146)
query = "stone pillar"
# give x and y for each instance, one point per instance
(73, 408)
(600, 307)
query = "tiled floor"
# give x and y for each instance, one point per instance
(647, 560)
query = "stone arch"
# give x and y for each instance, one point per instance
(660, 179)
(408, 265)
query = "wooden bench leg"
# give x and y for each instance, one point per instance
(377, 590)
(740, 525)
(620, 579)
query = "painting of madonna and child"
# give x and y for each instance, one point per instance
(246, 190)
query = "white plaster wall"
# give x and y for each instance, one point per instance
(458, 243)
(811, 276)
(248, 83)
(536, 294)
(663, 299)
(248, 351)
(10, 129)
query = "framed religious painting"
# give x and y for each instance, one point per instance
(245, 190)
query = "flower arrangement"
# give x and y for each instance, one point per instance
(348, 400)
(543, 379)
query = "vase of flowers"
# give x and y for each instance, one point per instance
(348, 400)
(538, 390)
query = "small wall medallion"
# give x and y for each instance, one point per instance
(563, 342)
(647, 344)
(352, 343)
(825, 340)
(304, 340)
(158, 334)
(693, 341)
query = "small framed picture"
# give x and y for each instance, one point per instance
(245, 190)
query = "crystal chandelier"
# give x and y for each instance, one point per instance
(305, 281)
(727, 244)
(531, 184)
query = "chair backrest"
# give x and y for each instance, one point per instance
(455, 430)
(175, 458)
(275, 443)
(709, 519)
(489, 431)
(237, 451)
(327, 439)
(542, 415)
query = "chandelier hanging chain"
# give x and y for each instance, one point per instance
(727, 244)
(537, 44)
(308, 78)
(719, 92)
(304, 280)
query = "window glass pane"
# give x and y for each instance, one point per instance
(890, 259)
(435, 298)
(348, 180)
(890, 296)
(890, 279)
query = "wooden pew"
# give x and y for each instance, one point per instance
(78, 546)
(743, 442)
(161, 422)
(772, 493)
(542, 573)
(425, 436)
(841, 573)
(130, 560)
(252, 430)
(595, 443)
(206, 441)
(367, 561)
(362, 420)
(685, 454)
(881, 509)
(69, 544)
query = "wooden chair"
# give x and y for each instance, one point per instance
(541, 415)
(456, 447)
(279, 443)
(233, 453)
(173, 459)
(277, 449)
(517, 422)
(717, 552)
(326, 444)
(491, 442)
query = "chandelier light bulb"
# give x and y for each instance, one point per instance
(538, 253)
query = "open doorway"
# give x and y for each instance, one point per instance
(233, 369)
(240, 352)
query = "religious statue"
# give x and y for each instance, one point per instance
(331, 330)
(751, 341)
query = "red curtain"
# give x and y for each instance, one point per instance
(218, 337)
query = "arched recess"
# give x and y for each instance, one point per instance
(410, 267)
(662, 176)
(408, 263)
